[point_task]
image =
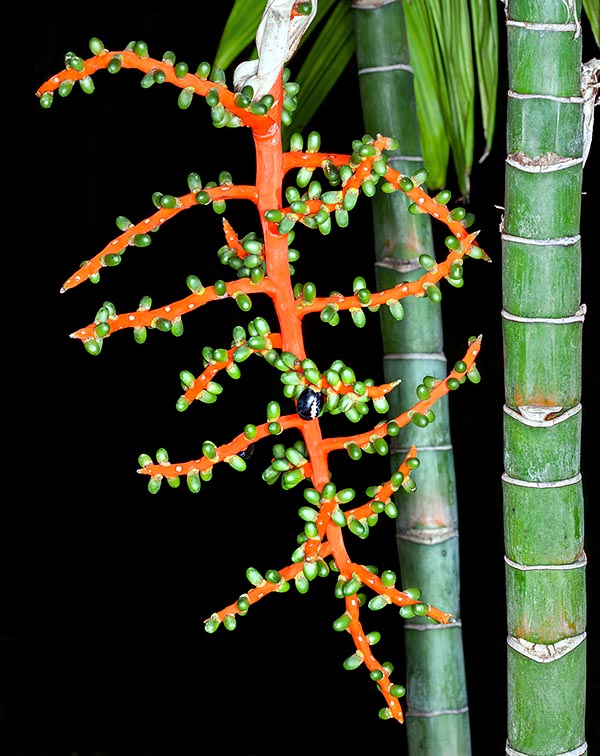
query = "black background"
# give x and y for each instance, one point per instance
(105, 587)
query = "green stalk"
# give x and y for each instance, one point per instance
(542, 330)
(427, 527)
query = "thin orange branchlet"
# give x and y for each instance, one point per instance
(261, 263)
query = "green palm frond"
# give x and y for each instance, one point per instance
(239, 31)
(325, 62)
(592, 11)
(241, 26)
(454, 54)
(484, 15)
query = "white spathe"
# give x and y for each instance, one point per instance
(277, 37)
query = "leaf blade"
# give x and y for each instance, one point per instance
(239, 32)
(425, 62)
(592, 11)
(485, 44)
(325, 62)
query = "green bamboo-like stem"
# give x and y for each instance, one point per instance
(542, 334)
(427, 526)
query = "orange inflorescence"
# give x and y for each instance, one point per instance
(263, 265)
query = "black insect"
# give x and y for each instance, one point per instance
(309, 404)
(247, 452)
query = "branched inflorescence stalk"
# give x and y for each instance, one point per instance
(263, 264)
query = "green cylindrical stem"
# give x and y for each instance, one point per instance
(432, 507)
(530, 270)
(546, 605)
(412, 370)
(561, 77)
(437, 719)
(386, 81)
(530, 447)
(542, 206)
(435, 688)
(538, 126)
(542, 362)
(422, 322)
(432, 565)
(542, 333)
(561, 509)
(452, 729)
(541, 723)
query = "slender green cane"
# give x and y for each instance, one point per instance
(427, 526)
(542, 333)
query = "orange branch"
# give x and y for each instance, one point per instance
(324, 530)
